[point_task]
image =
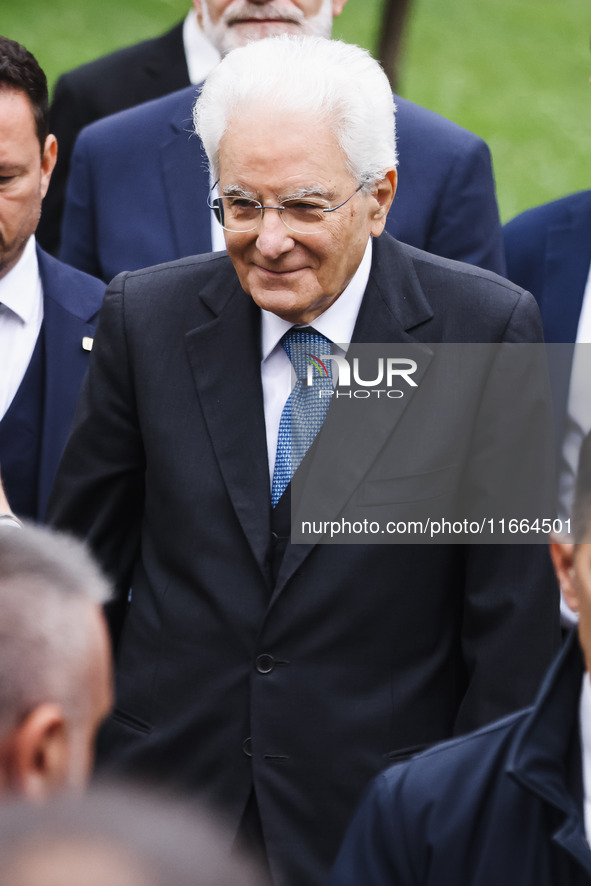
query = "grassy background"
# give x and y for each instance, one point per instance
(514, 71)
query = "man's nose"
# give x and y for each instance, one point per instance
(274, 238)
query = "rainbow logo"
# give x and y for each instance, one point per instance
(318, 364)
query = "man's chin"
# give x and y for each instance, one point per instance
(242, 33)
(278, 301)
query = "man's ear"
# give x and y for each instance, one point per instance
(563, 556)
(35, 755)
(337, 7)
(48, 161)
(383, 193)
(198, 10)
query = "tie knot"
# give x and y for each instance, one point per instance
(305, 347)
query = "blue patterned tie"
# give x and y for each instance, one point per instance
(306, 406)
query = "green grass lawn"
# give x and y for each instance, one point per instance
(514, 71)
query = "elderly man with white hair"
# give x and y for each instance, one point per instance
(272, 677)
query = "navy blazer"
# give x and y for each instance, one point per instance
(137, 192)
(500, 806)
(71, 301)
(304, 683)
(548, 252)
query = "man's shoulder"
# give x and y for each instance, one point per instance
(177, 295)
(436, 775)
(449, 274)
(540, 218)
(117, 63)
(185, 276)
(415, 122)
(141, 124)
(78, 293)
(462, 302)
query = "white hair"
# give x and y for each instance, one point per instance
(325, 79)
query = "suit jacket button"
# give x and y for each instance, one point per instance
(247, 747)
(265, 663)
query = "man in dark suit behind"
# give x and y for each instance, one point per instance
(47, 310)
(277, 678)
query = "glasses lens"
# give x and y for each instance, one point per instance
(303, 216)
(239, 214)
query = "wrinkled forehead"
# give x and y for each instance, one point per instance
(260, 145)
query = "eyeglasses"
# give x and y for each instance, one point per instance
(302, 216)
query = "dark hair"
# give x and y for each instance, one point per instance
(20, 70)
(582, 505)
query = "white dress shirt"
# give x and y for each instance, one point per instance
(21, 315)
(578, 413)
(577, 423)
(336, 323)
(585, 726)
(201, 55)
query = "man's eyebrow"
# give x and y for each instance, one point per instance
(237, 191)
(311, 191)
(297, 194)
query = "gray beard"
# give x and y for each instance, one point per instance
(225, 35)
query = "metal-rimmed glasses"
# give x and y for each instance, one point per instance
(302, 215)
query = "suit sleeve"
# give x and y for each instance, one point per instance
(467, 225)
(510, 628)
(78, 239)
(99, 489)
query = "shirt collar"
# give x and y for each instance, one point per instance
(19, 289)
(336, 323)
(201, 55)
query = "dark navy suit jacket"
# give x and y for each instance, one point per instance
(499, 806)
(71, 301)
(137, 193)
(548, 251)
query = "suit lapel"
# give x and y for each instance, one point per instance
(567, 258)
(165, 66)
(65, 364)
(566, 267)
(393, 304)
(224, 355)
(186, 181)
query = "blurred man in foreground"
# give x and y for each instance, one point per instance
(55, 662)
(117, 836)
